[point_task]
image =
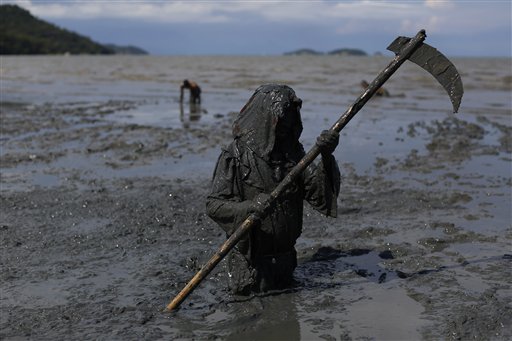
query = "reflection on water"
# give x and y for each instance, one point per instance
(190, 116)
(267, 319)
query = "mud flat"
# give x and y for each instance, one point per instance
(103, 222)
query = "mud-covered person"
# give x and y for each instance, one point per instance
(380, 92)
(264, 149)
(195, 91)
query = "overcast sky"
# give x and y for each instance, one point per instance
(267, 27)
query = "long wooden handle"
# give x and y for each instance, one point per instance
(297, 170)
(214, 260)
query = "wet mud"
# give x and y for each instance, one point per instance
(100, 229)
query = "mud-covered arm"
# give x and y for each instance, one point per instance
(181, 92)
(322, 185)
(224, 204)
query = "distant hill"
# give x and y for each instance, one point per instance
(22, 33)
(125, 49)
(303, 52)
(348, 52)
(341, 52)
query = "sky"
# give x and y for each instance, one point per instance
(269, 27)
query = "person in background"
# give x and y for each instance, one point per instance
(264, 149)
(381, 92)
(195, 91)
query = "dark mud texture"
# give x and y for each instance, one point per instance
(90, 251)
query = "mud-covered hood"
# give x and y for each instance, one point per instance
(255, 125)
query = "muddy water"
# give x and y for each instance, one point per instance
(104, 177)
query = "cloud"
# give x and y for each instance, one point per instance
(345, 16)
(160, 11)
(222, 11)
(314, 19)
(432, 24)
(439, 3)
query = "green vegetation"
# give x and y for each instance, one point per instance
(125, 49)
(22, 33)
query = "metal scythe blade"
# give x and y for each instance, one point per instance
(437, 65)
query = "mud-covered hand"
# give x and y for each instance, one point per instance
(245, 208)
(256, 206)
(260, 204)
(327, 142)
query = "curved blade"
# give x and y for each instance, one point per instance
(430, 59)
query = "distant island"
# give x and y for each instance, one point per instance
(348, 52)
(22, 33)
(303, 52)
(337, 52)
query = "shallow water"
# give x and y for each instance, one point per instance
(327, 85)
(98, 134)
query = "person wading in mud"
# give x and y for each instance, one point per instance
(380, 92)
(264, 149)
(195, 91)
